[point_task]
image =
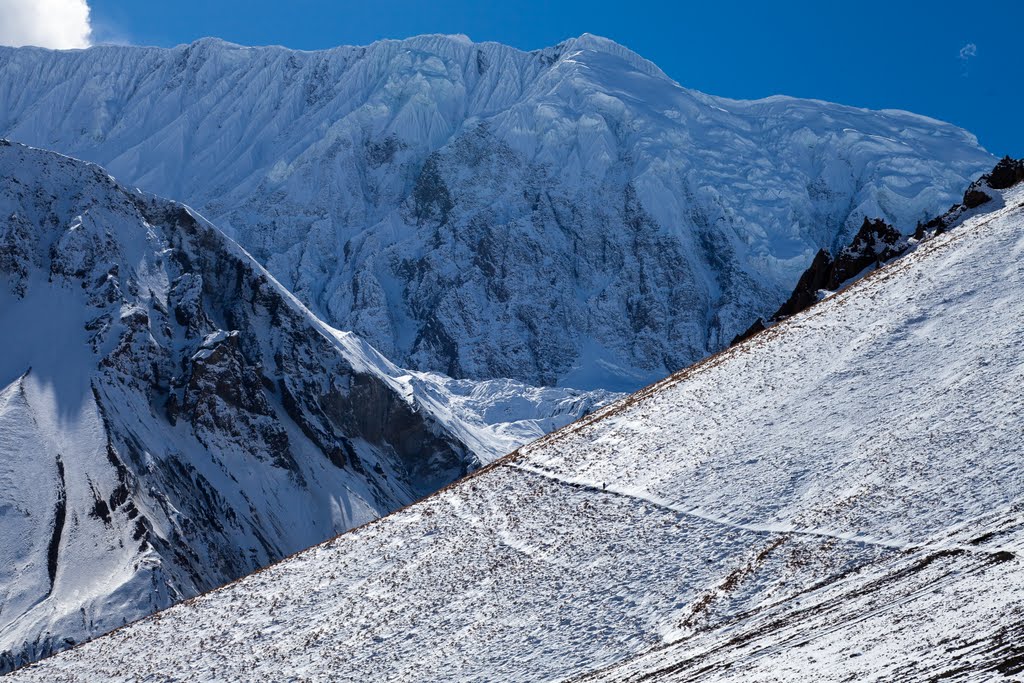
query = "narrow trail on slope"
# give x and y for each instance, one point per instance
(780, 529)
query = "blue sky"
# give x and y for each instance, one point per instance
(895, 54)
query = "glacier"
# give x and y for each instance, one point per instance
(569, 216)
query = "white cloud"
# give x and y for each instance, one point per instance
(46, 23)
(966, 53)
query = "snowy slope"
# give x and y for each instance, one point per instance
(171, 418)
(945, 610)
(565, 216)
(840, 495)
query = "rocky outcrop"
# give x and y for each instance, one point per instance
(878, 242)
(225, 395)
(15, 253)
(875, 243)
(817, 277)
(1007, 173)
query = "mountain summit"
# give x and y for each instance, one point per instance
(565, 216)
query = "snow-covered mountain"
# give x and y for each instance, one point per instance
(841, 497)
(171, 418)
(566, 216)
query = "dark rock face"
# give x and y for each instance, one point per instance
(186, 301)
(59, 516)
(379, 153)
(875, 243)
(232, 372)
(1007, 173)
(224, 395)
(817, 277)
(431, 198)
(15, 252)
(975, 198)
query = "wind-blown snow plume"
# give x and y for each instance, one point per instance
(60, 24)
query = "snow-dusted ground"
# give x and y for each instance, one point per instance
(566, 216)
(171, 418)
(841, 495)
(948, 609)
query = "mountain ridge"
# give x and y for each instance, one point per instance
(417, 191)
(172, 418)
